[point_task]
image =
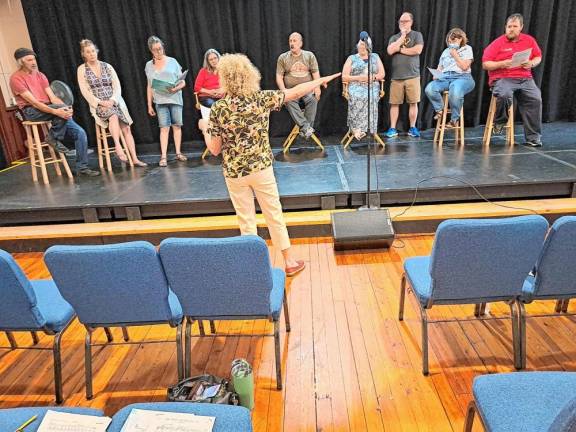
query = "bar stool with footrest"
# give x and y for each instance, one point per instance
(36, 147)
(441, 124)
(102, 135)
(490, 123)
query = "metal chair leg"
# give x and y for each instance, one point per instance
(108, 334)
(278, 358)
(424, 317)
(516, 335)
(11, 340)
(188, 348)
(522, 333)
(88, 363)
(179, 352)
(57, 368)
(470, 416)
(201, 328)
(125, 334)
(559, 305)
(402, 298)
(286, 313)
(212, 327)
(35, 339)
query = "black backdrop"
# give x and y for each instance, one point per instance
(260, 28)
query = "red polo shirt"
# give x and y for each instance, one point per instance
(35, 82)
(503, 49)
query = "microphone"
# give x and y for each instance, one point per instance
(365, 37)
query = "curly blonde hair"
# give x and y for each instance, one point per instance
(238, 76)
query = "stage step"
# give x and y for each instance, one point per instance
(418, 219)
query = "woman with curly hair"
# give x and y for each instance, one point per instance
(238, 129)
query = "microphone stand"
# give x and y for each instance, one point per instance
(368, 206)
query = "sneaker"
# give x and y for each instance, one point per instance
(56, 145)
(88, 172)
(498, 128)
(533, 143)
(291, 271)
(437, 115)
(309, 132)
(414, 132)
(391, 133)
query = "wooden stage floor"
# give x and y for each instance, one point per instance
(348, 363)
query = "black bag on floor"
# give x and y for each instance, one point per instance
(204, 388)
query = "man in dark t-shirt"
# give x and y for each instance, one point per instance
(405, 48)
(294, 67)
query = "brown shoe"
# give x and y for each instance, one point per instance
(291, 271)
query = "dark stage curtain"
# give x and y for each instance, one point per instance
(260, 28)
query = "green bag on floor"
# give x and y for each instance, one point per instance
(204, 389)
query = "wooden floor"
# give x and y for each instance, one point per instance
(348, 363)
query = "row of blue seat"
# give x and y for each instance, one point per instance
(228, 418)
(132, 284)
(476, 261)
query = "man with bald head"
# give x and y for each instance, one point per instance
(296, 67)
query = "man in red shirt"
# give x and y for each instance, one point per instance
(507, 81)
(38, 102)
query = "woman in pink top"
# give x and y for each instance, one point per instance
(207, 84)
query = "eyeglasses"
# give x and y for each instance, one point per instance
(404, 21)
(455, 36)
(159, 49)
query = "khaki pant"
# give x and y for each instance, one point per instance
(409, 88)
(263, 185)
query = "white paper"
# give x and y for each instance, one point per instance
(160, 421)
(183, 76)
(435, 73)
(205, 111)
(55, 421)
(521, 57)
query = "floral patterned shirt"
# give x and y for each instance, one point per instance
(242, 123)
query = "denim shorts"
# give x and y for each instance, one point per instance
(169, 115)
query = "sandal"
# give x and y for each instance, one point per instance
(140, 163)
(181, 157)
(163, 162)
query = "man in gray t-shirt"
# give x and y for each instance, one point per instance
(296, 67)
(405, 48)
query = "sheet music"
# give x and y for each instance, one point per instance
(435, 73)
(521, 57)
(160, 421)
(183, 76)
(56, 421)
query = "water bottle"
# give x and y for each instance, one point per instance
(243, 381)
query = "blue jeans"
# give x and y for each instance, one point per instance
(63, 130)
(169, 115)
(458, 85)
(207, 101)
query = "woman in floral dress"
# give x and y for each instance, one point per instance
(100, 87)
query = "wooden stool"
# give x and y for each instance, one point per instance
(199, 107)
(347, 139)
(490, 123)
(292, 137)
(36, 151)
(102, 135)
(441, 123)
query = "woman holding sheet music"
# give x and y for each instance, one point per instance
(164, 88)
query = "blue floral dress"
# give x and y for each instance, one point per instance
(358, 95)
